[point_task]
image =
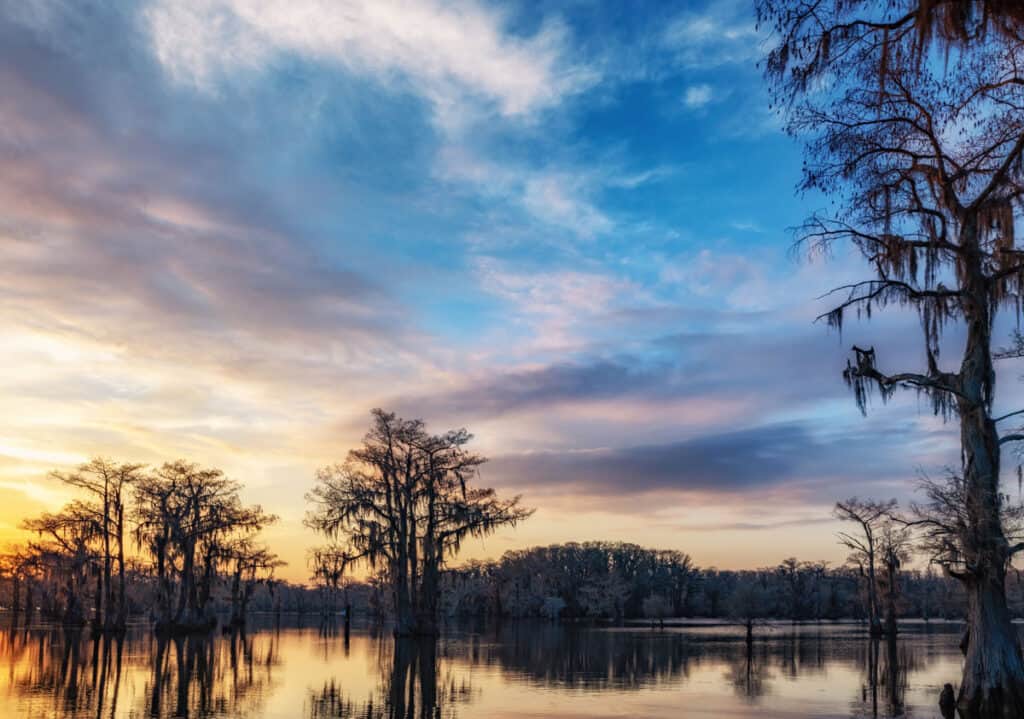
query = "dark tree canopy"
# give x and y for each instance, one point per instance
(403, 501)
(107, 484)
(192, 522)
(814, 38)
(924, 163)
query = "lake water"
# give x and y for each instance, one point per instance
(516, 670)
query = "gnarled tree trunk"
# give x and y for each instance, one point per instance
(993, 677)
(991, 687)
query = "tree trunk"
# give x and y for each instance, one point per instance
(122, 602)
(73, 613)
(405, 620)
(991, 687)
(108, 618)
(204, 590)
(427, 660)
(158, 677)
(163, 615)
(97, 620)
(400, 686)
(890, 599)
(185, 590)
(236, 602)
(993, 678)
(243, 610)
(426, 614)
(873, 674)
(429, 590)
(875, 623)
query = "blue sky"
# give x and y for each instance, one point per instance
(232, 228)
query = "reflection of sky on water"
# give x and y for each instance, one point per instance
(517, 670)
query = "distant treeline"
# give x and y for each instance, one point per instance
(44, 593)
(614, 581)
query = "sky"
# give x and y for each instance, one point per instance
(231, 228)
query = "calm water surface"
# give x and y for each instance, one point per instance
(516, 670)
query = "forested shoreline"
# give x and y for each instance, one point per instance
(176, 546)
(589, 581)
(615, 581)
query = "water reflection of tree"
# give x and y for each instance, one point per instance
(328, 630)
(747, 672)
(62, 674)
(199, 675)
(414, 685)
(560, 655)
(186, 676)
(802, 655)
(51, 664)
(886, 666)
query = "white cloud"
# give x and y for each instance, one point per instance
(559, 201)
(557, 310)
(724, 34)
(698, 96)
(631, 181)
(557, 197)
(458, 55)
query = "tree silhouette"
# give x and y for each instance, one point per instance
(403, 502)
(189, 518)
(107, 484)
(922, 154)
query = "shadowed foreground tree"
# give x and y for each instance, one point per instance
(922, 153)
(863, 546)
(402, 502)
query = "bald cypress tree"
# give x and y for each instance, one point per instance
(912, 117)
(403, 502)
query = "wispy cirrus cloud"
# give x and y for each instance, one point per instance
(558, 197)
(722, 33)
